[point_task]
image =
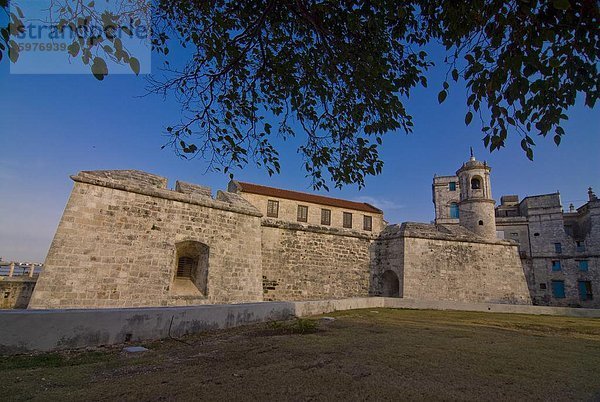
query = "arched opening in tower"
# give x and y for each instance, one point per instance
(391, 284)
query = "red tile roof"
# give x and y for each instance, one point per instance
(306, 197)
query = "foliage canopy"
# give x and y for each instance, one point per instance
(342, 71)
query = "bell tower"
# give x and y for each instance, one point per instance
(476, 206)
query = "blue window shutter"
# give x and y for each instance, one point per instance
(556, 265)
(558, 289)
(454, 210)
(452, 186)
(582, 290)
(583, 265)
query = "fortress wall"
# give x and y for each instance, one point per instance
(115, 245)
(302, 262)
(16, 291)
(387, 254)
(436, 269)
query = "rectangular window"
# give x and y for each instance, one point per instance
(348, 220)
(556, 265)
(454, 211)
(302, 213)
(585, 290)
(185, 267)
(580, 246)
(542, 286)
(272, 208)
(558, 248)
(558, 289)
(583, 265)
(325, 217)
(452, 186)
(367, 223)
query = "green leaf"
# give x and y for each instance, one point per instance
(73, 49)
(135, 65)
(557, 139)
(468, 118)
(13, 52)
(529, 154)
(442, 96)
(99, 68)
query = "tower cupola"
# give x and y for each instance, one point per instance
(476, 206)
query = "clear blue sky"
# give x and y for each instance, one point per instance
(53, 126)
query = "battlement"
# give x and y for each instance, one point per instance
(144, 183)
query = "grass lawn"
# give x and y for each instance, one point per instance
(372, 354)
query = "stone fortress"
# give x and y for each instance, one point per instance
(559, 251)
(125, 240)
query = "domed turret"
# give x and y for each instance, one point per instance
(476, 206)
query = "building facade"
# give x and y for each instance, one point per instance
(126, 240)
(559, 250)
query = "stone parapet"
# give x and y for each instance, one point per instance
(155, 186)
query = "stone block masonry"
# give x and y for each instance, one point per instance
(15, 292)
(302, 262)
(438, 262)
(116, 245)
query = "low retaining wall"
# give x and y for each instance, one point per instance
(23, 331)
(490, 307)
(44, 330)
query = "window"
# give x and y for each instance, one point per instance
(475, 183)
(542, 286)
(580, 246)
(192, 265)
(367, 223)
(585, 290)
(452, 186)
(302, 213)
(186, 267)
(558, 248)
(347, 220)
(480, 223)
(556, 265)
(272, 209)
(325, 217)
(558, 289)
(583, 265)
(454, 210)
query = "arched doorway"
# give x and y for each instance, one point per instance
(391, 284)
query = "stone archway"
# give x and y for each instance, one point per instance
(391, 284)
